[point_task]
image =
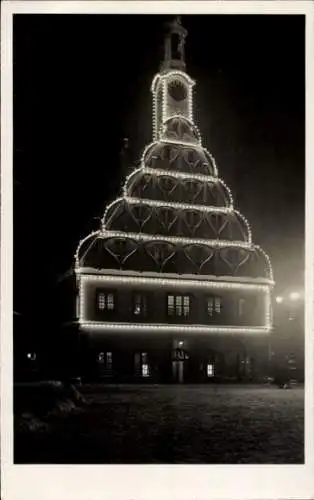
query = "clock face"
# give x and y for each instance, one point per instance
(177, 90)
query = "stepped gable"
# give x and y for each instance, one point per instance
(175, 214)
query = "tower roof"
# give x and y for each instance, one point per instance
(175, 26)
(174, 40)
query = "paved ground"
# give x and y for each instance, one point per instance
(214, 424)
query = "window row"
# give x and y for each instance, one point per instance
(177, 305)
(141, 363)
(104, 360)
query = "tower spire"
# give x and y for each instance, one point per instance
(174, 57)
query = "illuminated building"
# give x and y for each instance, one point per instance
(171, 287)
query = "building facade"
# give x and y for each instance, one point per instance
(171, 286)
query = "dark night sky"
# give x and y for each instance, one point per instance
(82, 84)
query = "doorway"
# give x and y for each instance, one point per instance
(178, 371)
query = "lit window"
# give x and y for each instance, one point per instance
(210, 306)
(170, 305)
(217, 305)
(144, 363)
(210, 370)
(186, 305)
(241, 306)
(178, 305)
(110, 301)
(145, 371)
(105, 301)
(213, 305)
(140, 304)
(101, 301)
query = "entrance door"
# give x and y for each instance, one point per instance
(178, 371)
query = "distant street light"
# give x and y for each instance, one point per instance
(294, 296)
(279, 299)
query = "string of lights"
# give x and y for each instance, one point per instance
(127, 281)
(208, 179)
(149, 328)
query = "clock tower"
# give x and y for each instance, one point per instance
(172, 87)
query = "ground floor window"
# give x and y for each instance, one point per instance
(101, 357)
(180, 364)
(105, 360)
(210, 370)
(145, 367)
(109, 360)
(145, 370)
(141, 365)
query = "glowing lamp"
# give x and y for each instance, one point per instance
(294, 296)
(279, 300)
